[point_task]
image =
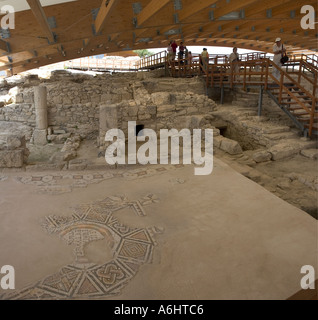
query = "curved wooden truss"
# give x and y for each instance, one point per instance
(45, 35)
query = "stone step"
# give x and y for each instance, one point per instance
(247, 95)
(276, 129)
(281, 136)
(244, 102)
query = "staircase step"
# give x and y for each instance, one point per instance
(299, 111)
(304, 113)
(306, 119)
(294, 102)
(315, 126)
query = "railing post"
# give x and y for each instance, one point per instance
(281, 86)
(222, 94)
(260, 101)
(300, 70)
(312, 116)
(232, 74)
(266, 74)
(244, 81)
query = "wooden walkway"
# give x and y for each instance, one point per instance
(294, 91)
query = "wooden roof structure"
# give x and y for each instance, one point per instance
(50, 31)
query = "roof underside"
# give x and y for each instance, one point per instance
(50, 31)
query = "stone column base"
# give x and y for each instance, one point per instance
(40, 137)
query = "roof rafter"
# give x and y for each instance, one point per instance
(41, 18)
(150, 10)
(194, 7)
(104, 12)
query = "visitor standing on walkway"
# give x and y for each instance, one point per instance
(170, 53)
(174, 47)
(278, 50)
(181, 51)
(205, 58)
(234, 60)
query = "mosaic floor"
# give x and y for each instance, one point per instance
(131, 248)
(156, 233)
(60, 183)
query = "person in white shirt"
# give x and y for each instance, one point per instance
(170, 53)
(278, 50)
(234, 59)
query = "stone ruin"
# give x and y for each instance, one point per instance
(68, 108)
(46, 124)
(13, 151)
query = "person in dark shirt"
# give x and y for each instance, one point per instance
(181, 51)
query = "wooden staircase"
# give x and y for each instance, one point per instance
(295, 100)
(298, 101)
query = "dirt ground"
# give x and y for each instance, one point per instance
(278, 177)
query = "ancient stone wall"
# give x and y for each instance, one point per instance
(13, 151)
(74, 99)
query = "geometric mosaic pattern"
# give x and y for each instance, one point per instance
(130, 247)
(65, 182)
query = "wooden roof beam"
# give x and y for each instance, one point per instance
(225, 7)
(104, 13)
(41, 18)
(4, 47)
(292, 5)
(194, 7)
(150, 10)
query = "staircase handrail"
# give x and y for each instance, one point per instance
(158, 58)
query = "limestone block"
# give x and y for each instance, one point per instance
(192, 110)
(310, 153)
(181, 112)
(161, 98)
(40, 137)
(61, 138)
(152, 110)
(230, 146)
(262, 156)
(165, 108)
(283, 150)
(133, 111)
(182, 106)
(217, 140)
(11, 158)
(15, 142)
(143, 117)
(59, 131)
(108, 117)
(106, 97)
(194, 122)
(126, 96)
